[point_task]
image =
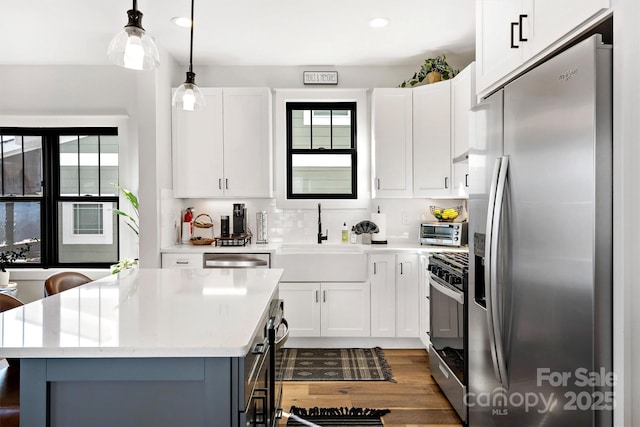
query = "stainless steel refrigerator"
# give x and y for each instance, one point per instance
(540, 224)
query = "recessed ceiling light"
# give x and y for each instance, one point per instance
(378, 22)
(181, 21)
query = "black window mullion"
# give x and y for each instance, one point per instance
(311, 129)
(78, 145)
(331, 129)
(51, 156)
(22, 161)
(99, 169)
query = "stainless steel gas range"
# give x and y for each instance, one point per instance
(448, 278)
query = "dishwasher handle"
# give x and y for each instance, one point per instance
(234, 261)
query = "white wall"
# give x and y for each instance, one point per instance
(291, 77)
(66, 90)
(626, 204)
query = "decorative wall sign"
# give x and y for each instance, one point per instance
(320, 77)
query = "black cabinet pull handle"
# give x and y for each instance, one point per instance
(520, 18)
(466, 179)
(446, 182)
(513, 45)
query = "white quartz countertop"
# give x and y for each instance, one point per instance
(145, 313)
(274, 248)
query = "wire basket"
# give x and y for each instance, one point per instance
(445, 214)
(205, 222)
(200, 223)
(201, 241)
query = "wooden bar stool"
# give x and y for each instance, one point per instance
(62, 281)
(10, 378)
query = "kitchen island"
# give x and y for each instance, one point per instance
(144, 347)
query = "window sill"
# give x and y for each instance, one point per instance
(24, 274)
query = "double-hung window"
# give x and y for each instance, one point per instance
(57, 194)
(321, 150)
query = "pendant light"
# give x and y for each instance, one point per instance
(132, 47)
(188, 94)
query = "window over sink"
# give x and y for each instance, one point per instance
(321, 150)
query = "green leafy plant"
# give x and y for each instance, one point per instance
(132, 220)
(438, 64)
(8, 258)
(123, 264)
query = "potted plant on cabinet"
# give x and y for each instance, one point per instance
(432, 70)
(7, 259)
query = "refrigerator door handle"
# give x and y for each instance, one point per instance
(487, 271)
(499, 361)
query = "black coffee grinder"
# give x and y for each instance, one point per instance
(239, 220)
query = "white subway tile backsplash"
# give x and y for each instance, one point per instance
(301, 225)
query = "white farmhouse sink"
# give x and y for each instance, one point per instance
(321, 263)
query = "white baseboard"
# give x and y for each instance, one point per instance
(351, 342)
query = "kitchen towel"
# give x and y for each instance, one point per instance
(380, 220)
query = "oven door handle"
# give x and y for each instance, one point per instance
(283, 339)
(455, 295)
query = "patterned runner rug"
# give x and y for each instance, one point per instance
(336, 417)
(331, 364)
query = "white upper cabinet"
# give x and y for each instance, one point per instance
(432, 140)
(197, 148)
(553, 19)
(247, 142)
(225, 149)
(392, 141)
(512, 32)
(499, 47)
(463, 98)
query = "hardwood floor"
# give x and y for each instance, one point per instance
(415, 400)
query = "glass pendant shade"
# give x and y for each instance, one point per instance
(188, 95)
(132, 48)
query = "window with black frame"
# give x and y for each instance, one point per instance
(321, 150)
(57, 195)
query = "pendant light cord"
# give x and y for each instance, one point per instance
(191, 44)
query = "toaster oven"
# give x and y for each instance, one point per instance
(443, 233)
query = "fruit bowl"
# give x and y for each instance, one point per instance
(445, 214)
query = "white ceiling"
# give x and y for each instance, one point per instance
(244, 32)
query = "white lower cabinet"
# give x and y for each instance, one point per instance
(425, 309)
(383, 294)
(395, 295)
(182, 261)
(407, 295)
(335, 309)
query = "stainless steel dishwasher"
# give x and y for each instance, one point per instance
(236, 260)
